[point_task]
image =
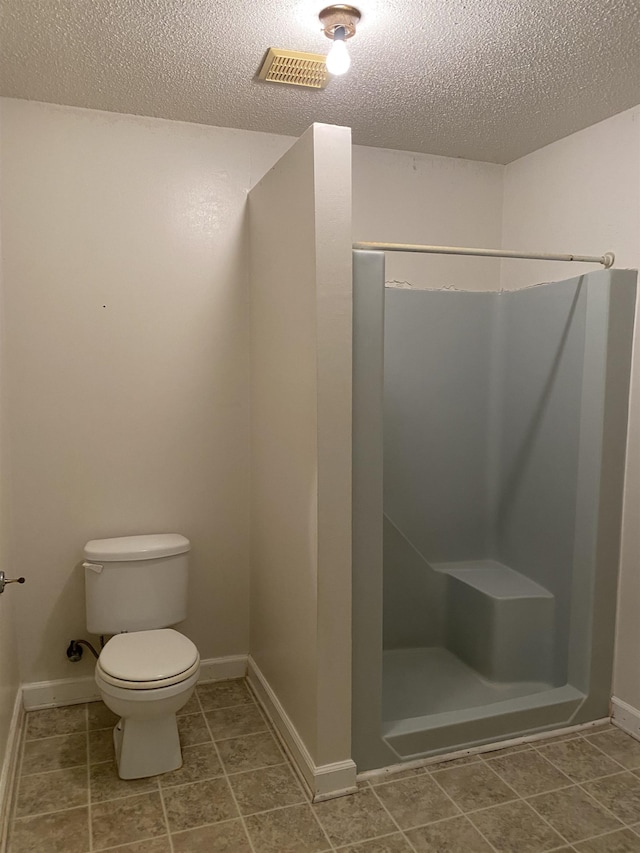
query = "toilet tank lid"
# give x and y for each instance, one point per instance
(147, 547)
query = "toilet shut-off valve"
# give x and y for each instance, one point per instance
(5, 580)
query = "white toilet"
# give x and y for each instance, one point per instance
(135, 587)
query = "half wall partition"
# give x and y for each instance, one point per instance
(489, 443)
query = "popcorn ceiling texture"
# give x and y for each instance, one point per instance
(480, 79)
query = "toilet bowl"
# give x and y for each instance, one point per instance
(135, 588)
(146, 677)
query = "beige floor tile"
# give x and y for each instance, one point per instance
(416, 801)
(620, 794)
(199, 803)
(271, 788)
(56, 721)
(127, 820)
(618, 842)
(390, 844)
(224, 694)
(396, 777)
(192, 729)
(59, 832)
(620, 746)
(474, 786)
(100, 717)
(234, 722)
(51, 792)
(290, 830)
(354, 818)
(456, 835)
(107, 785)
(528, 773)
(515, 826)
(54, 753)
(574, 814)
(228, 837)
(579, 760)
(199, 762)
(152, 845)
(250, 752)
(101, 746)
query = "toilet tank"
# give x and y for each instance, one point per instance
(136, 583)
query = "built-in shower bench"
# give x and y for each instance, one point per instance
(493, 578)
(499, 621)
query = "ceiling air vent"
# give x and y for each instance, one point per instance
(295, 68)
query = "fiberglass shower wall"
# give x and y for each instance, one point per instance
(480, 472)
(499, 438)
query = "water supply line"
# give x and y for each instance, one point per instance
(74, 650)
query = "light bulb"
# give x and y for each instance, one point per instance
(338, 59)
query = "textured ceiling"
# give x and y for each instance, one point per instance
(483, 79)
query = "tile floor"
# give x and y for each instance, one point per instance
(236, 793)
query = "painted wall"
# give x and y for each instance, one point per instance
(301, 437)
(125, 280)
(420, 198)
(582, 194)
(8, 647)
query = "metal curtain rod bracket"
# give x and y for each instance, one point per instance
(607, 260)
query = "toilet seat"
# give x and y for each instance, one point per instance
(146, 660)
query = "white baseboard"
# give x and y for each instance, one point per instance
(74, 691)
(219, 669)
(325, 781)
(62, 691)
(626, 717)
(9, 768)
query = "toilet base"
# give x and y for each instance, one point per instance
(146, 738)
(147, 747)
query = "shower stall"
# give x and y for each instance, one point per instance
(488, 451)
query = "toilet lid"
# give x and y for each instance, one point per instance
(148, 655)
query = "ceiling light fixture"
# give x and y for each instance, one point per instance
(339, 24)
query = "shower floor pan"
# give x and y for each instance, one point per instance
(433, 702)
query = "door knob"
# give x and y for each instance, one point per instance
(4, 581)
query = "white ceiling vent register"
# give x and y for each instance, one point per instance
(294, 68)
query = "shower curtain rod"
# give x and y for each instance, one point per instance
(607, 260)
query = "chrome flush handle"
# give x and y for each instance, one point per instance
(4, 581)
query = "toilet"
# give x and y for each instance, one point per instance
(135, 588)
